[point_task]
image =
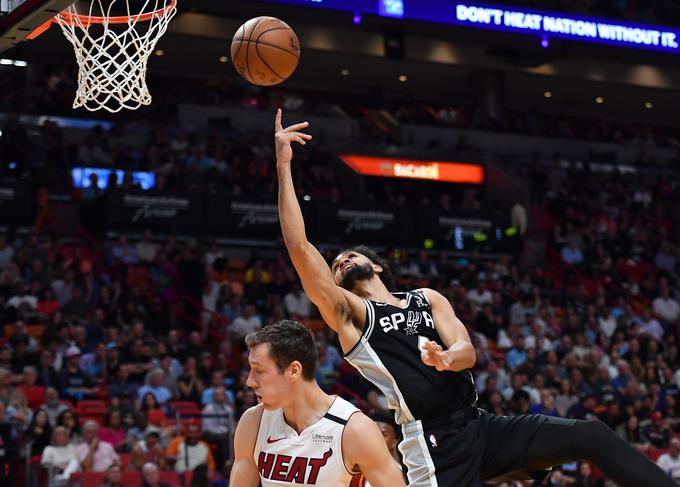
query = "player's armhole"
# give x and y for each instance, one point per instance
(368, 326)
(342, 447)
(424, 293)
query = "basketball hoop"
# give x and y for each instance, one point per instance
(112, 51)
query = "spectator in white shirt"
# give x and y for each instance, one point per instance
(248, 322)
(666, 307)
(191, 452)
(216, 423)
(23, 299)
(607, 323)
(670, 462)
(296, 302)
(480, 295)
(650, 325)
(60, 456)
(146, 249)
(95, 455)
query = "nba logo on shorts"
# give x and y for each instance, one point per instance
(433, 441)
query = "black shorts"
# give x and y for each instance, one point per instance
(461, 452)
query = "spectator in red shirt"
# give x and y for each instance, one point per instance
(112, 431)
(35, 394)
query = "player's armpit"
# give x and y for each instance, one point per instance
(452, 331)
(363, 445)
(244, 471)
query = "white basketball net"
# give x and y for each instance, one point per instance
(112, 52)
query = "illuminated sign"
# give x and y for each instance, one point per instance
(452, 172)
(81, 177)
(518, 20)
(567, 26)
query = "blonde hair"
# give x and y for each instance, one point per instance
(19, 394)
(56, 431)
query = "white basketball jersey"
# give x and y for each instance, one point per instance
(314, 457)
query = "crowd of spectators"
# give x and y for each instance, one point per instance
(591, 333)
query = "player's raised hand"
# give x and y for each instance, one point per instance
(434, 355)
(284, 137)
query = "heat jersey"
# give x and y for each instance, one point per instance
(314, 457)
(388, 355)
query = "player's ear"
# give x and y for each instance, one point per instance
(377, 269)
(294, 370)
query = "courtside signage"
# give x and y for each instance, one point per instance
(451, 172)
(543, 24)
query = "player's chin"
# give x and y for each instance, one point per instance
(267, 404)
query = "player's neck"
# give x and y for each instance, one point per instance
(309, 405)
(374, 290)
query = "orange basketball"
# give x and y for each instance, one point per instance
(265, 51)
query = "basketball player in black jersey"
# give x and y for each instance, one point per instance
(412, 346)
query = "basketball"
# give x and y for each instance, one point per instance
(265, 51)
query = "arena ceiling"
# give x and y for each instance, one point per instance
(439, 63)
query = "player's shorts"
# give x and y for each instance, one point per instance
(463, 448)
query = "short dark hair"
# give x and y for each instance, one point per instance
(289, 340)
(386, 275)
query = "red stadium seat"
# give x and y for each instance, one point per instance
(131, 479)
(170, 477)
(90, 479)
(124, 460)
(185, 407)
(91, 406)
(655, 453)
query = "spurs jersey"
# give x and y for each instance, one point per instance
(314, 457)
(388, 355)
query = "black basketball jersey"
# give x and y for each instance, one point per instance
(388, 355)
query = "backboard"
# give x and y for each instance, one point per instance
(18, 18)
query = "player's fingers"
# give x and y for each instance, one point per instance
(295, 135)
(299, 140)
(296, 127)
(433, 346)
(277, 121)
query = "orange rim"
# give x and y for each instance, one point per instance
(70, 19)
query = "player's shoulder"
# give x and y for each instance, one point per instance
(358, 425)
(251, 417)
(430, 294)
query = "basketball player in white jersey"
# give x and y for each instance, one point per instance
(298, 434)
(417, 352)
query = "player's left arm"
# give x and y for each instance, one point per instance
(363, 446)
(460, 353)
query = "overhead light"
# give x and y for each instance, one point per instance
(649, 105)
(159, 52)
(599, 100)
(223, 59)
(13, 62)
(0, 133)
(548, 94)
(307, 197)
(403, 78)
(344, 72)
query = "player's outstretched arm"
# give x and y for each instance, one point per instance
(460, 354)
(244, 471)
(310, 265)
(363, 446)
